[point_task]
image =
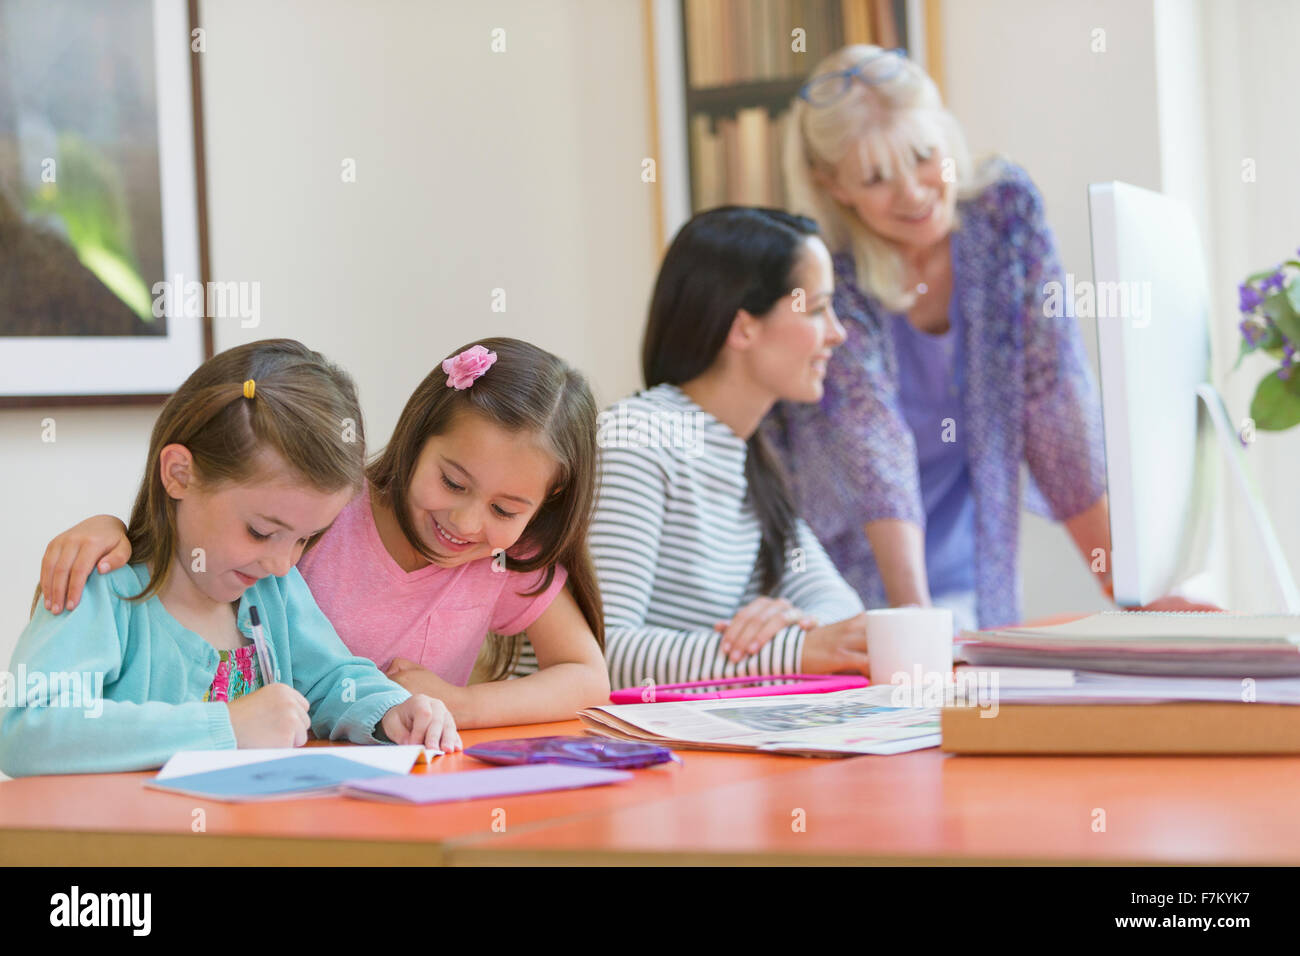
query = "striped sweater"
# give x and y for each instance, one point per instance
(676, 541)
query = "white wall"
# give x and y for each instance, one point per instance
(1021, 77)
(516, 170)
(1253, 76)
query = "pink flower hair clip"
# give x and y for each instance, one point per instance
(464, 369)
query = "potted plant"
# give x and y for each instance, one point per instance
(1270, 306)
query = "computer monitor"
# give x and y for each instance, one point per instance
(1152, 307)
(1161, 414)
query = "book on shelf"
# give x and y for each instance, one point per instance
(737, 159)
(746, 41)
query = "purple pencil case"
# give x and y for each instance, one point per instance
(572, 751)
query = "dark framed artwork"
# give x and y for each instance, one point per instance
(101, 201)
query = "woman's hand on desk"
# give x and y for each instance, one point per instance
(96, 542)
(757, 623)
(837, 648)
(1174, 602)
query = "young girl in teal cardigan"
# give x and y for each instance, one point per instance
(249, 462)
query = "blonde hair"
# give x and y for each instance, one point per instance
(887, 122)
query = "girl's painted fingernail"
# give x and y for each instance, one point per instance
(56, 609)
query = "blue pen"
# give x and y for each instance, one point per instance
(263, 655)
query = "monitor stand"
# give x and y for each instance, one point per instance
(1229, 445)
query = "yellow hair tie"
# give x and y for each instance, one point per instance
(249, 386)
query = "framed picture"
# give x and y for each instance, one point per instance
(102, 224)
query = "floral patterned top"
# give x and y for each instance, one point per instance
(237, 674)
(1028, 396)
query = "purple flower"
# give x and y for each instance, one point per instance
(1252, 332)
(1288, 362)
(1276, 281)
(1248, 298)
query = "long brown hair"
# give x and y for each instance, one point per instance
(724, 260)
(527, 390)
(304, 408)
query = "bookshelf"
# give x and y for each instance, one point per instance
(723, 74)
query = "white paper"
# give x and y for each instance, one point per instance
(862, 720)
(396, 758)
(1143, 689)
(1136, 627)
(1018, 676)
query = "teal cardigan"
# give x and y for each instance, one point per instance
(154, 674)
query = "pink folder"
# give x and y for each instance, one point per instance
(476, 784)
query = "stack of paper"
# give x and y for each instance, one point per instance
(1138, 642)
(1143, 683)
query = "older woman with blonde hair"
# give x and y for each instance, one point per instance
(953, 373)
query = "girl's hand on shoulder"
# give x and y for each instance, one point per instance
(96, 543)
(272, 716)
(756, 623)
(420, 680)
(424, 720)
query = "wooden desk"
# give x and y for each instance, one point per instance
(112, 820)
(933, 808)
(923, 807)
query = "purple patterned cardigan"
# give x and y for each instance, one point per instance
(1029, 397)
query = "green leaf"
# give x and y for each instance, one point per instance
(1276, 405)
(1293, 296)
(1278, 308)
(1256, 276)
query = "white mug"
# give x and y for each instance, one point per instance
(905, 639)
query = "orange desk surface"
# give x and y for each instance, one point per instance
(112, 820)
(924, 807)
(933, 808)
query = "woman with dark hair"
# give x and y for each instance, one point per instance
(705, 568)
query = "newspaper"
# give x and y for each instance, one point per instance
(857, 721)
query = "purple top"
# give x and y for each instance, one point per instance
(930, 398)
(1028, 396)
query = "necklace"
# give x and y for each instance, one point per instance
(922, 287)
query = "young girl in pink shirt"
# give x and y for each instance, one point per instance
(473, 519)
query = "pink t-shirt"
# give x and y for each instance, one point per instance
(438, 617)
